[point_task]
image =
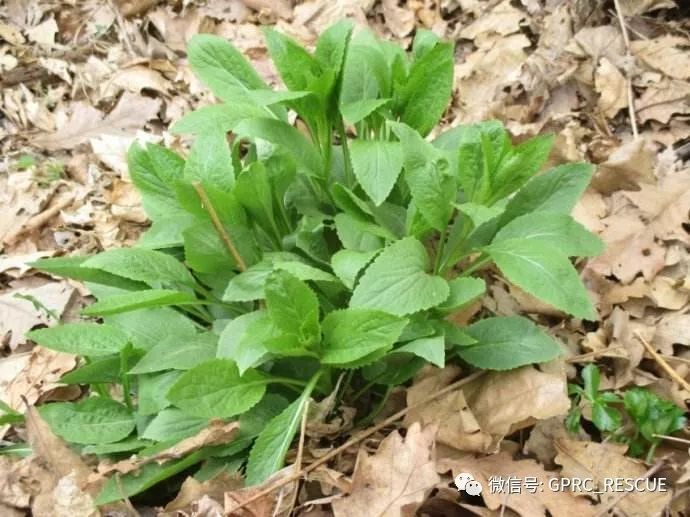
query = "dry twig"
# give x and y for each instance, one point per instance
(662, 362)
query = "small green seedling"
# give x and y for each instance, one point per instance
(651, 416)
(282, 259)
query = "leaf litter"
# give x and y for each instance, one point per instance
(80, 82)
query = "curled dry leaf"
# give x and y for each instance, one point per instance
(395, 480)
(608, 460)
(628, 166)
(525, 503)
(217, 433)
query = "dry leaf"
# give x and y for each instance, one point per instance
(628, 166)
(607, 460)
(192, 491)
(636, 7)
(44, 33)
(662, 100)
(19, 314)
(503, 19)
(524, 503)
(612, 88)
(399, 20)
(456, 424)
(393, 481)
(217, 433)
(275, 503)
(130, 114)
(669, 54)
(496, 399)
(40, 377)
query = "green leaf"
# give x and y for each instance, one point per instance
(253, 190)
(432, 349)
(519, 165)
(332, 45)
(271, 446)
(293, 307)
(204, 250)
(98, 371)
(90, 421)
(215, 389)
(210, 163)
(432, 190)
(221, 67)
(282, 133)
(152, 389)
(146, 326)
(428, 88)
(129, 445)
(296, 67)
(154, 170)
(462, 292)
(248, 285)
(605, 418)
(504, 343)
(177, 354)
(242, 340)
(139, 300)
(348, 263)
(591, 378)
(151, 267)
(173, 425)
(558, 230)
(351, 334)
(557, 190)
(355, 111)
(397, 282)
(90, 339)
(543, 271)
(217, 118)
(377, 165)
(71, 267)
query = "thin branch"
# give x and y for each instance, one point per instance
(662, 362)
(672, 439)
(354, 440)
(208, 206)
(631, 96)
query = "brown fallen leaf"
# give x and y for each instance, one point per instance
(399, 20)
(192, 491)
(637, 7)
(217, 433)
(668, 54)
(627, 167)
(526, 503)
(496, 399)
(275, 503)
(40, 377)
(395, 479)
(451, 415)
(612, 88)
(607, 460)
(131, 113)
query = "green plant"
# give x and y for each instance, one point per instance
(651, 417)
(280, 259)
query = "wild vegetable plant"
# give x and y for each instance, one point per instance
(649, 417)
(285, 255)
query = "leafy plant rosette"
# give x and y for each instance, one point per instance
(282, 255)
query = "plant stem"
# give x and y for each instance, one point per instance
(349, 176)
(288, 381)
(377, 409)
(208, 206)
(478, 263)
(439, 252)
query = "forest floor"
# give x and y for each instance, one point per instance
(81, 80)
